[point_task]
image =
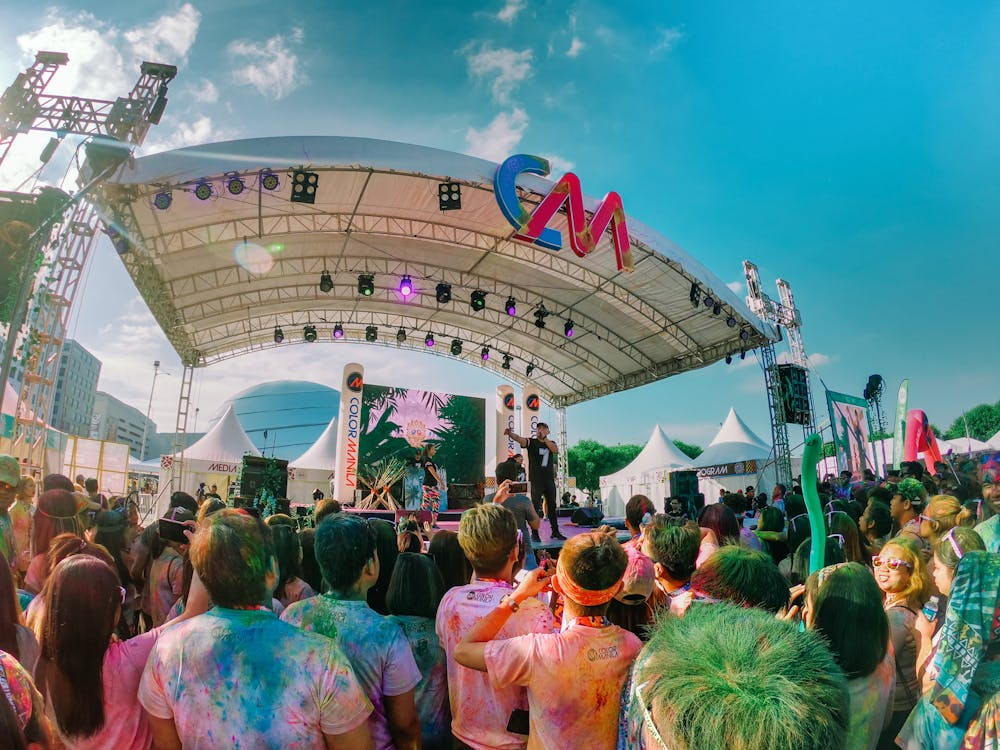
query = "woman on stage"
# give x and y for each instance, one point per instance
(431, 497)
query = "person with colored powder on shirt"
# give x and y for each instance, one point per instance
(480, 712)
(375, 645)
(236, 676)
(589, 658)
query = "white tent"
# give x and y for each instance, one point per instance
(314, 468)
(735, 458)
(961, 445)
(994, 442)
(215, 459)
(646, 475)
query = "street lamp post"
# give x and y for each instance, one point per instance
(149, 409)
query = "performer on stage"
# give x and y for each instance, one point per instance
(542, 454)
(431, 498)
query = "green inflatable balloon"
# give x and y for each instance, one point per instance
(810, 457)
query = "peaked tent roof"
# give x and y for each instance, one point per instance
(659, 453)
(323, 453)
(964, 445)
(994, 442)
(225, 442)
(734, 442)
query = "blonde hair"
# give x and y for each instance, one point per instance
(487, 534)
(946, 512)
(919, 587)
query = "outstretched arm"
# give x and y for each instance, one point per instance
(522, 441)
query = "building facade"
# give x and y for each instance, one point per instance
(76, 388)
(114, 420)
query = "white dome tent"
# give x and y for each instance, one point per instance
(215, 459)
(646, 475)
(735, 458)
(314, 468)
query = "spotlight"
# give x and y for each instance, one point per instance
(49, 150)
(743, 353)
(325, 283)
(511, 306)
(304, 185)
(234, 183)
(695, 295)
(478, 300)
(268, 180)
(731, 321)
(729, 359)
(401, 335)
(540, 315)
(744, 334)
(716, 308)
(449, 196)
(366, 284)
(279, 335)
(506, 362)
(163, 200)
(338, 331)
(443, 293)
(456, 347)
(371, 333)
(406, 286)
(568, 328)
(309, 334)
(709, 301)
(119, 241)
(529, 369)
(203, 190)
(429, 340)
(485, 353)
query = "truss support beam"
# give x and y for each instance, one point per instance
(180, 429)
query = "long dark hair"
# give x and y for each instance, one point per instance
(721, 519)
(56, 514)
(416, 586)
(110, 534)
(288, 552)
(82, 598)
(444, 549)
(10, 610)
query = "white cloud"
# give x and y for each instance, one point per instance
(199, 130)
(815, 360)
(736, 287)
(508, 68)
(498, 140)
(167, 39)
(207, 94)
(271, 68)
(510, 10)
(558, 165)
(666, 40)
(575, 47)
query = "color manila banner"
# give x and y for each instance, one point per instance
(531, 404)
(899, 436)
(506, 416)
(348, 432)
(852, 428)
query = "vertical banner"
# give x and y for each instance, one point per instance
(348, 432)
(851, 431)
(899, 436)
(529, 414)
(506, 417)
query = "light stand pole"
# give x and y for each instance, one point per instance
(149, 409)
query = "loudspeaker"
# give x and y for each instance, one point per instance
(794, 383)
(587, 517)
(252, 478)
(683, 483)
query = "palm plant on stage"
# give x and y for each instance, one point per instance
(379, 479)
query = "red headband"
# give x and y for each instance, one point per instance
(583, 597)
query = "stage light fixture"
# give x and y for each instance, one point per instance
(234, 184)
(540, 315)
(731, 321)
(695, 295)
(456, 347)
(366, 284)
(478, 300)
(568, 328)
(729, 359)
(325, 282)
(406, 286)
(529, 369)
(429, 340)
(401, 335)
(511, 306)
(309, 333)
(371, 333)
(163, 200)
(485, 353)
(744, 334)
(338, 331)
(449, 196)
(279, 335)
(304, 186)
(49, 151)
(709, 300)
(443, 293)
(269, 180)
(506, 362)
(717, 308)
(743, 353)
(203, 190)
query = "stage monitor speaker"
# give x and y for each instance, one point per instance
(587, 517)
(683, 483)
(794, 383)
(252, 478)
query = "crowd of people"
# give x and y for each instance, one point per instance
(214, 628)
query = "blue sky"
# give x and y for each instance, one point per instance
(852, 149)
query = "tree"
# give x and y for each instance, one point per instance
(691, 451)
(589, 460)
(984, 421)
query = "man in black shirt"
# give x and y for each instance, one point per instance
(542, 454)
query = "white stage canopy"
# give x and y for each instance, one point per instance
(646, 475)
(315, 468)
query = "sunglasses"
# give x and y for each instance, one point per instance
(124, 595)
(891, 563)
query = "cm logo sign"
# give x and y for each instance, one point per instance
(532, 226)
(355, 382)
